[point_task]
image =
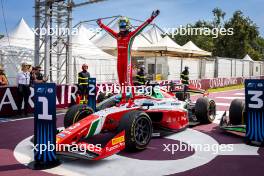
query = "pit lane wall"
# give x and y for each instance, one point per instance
(66, 94)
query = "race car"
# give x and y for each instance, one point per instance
(235, 123)
(130, 124)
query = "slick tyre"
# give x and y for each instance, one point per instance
(76, 113)
(138, 130)
(205, 110)
(236, 111)
(107, 103)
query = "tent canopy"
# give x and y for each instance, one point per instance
(21, 36)
(195, 50)
(247, 58)
(21, 49)
(164, 45)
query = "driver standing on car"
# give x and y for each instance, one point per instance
(185, 79)
(125, 38)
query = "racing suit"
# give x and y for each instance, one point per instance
(124, 45)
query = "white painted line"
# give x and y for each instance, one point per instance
(240, 93)
(26, 118)
(218, 117)
(240, 149)
(222, 104)
(230, 98)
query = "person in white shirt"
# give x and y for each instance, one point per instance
(23, 85)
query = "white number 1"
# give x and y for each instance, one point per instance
(45, 108)
(255, 98)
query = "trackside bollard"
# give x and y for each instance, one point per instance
(254, 92)
(92, 93)
(44, 127)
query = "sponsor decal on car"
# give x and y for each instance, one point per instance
(61, 135)
(118, 140)
(115, 147)
(57, 139)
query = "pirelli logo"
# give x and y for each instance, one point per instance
(118, 140)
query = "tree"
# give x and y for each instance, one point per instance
(219, 15)
(245, 39)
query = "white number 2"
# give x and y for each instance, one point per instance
(45, 109)
(255, 98)
(92, 87)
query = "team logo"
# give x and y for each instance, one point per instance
(251, 85)
(40, 90)
(50, 90)
(260, 85)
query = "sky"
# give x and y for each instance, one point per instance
(173, 12)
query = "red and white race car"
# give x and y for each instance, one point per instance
(129, 125)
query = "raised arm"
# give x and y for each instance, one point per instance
(106, 28)
(146, 23)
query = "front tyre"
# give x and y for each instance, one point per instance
(205, 110)
(76, 113)
(138, 130)
(236, 111)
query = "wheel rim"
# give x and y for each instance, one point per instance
(212, 111)
(142, 131)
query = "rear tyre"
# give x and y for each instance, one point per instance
(76, 113)
(205, 110)
(101, 97)
(236, 111)
(107, 103)
(138, 130)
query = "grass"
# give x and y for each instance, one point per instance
(240, 86)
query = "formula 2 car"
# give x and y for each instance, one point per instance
(235, 122)
(131, 124)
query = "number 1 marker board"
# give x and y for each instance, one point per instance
(45, 126)
(254, 92)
